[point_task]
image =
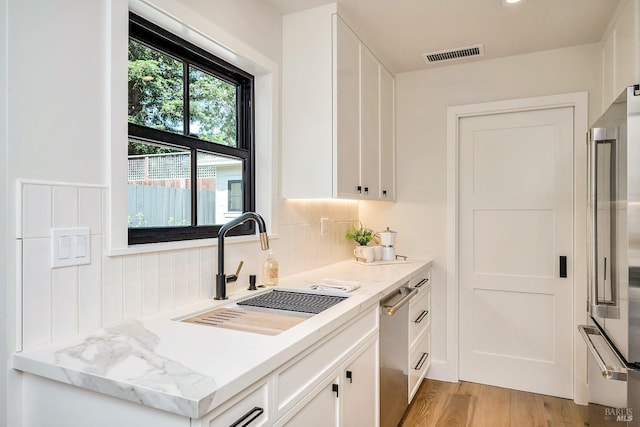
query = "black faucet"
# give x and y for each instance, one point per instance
(221, 280)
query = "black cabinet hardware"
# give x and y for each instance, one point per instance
(384, 193)
(366, 190)
(563, 266)
(422, 316)
(422, 282)
(349, 375)
(334, 388)
(359, 189)
(251, 415)
(423, 359)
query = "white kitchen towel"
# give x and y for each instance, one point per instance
(336, 285)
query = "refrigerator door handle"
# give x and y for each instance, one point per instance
(605, 356)
(609, 308)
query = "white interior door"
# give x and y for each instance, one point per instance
(515, 221)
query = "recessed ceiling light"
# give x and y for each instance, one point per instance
(507, 2)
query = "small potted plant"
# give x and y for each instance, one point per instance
(361, 235)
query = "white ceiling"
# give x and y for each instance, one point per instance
(399, 31)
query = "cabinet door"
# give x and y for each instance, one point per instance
(319, 409)
(387, 136)
(360, 390)
(346, 112)
(369, 124)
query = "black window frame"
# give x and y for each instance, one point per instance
(160, 39)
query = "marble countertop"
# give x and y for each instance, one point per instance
(191, 369)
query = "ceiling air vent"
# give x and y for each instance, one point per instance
(453, 54)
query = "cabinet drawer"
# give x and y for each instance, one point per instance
(419, 314)
(419, 362)
(422, 279)
(305, 372)
(249, 408)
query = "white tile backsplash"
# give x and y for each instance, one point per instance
(207, 275)
(65, 207)
(112, 290)
(165, 280)
(36, 292)
(90, 290)
(181, 278)
(150, 291)
(90, 209)
(132, 286)
(193, 275)
(65, 315)
(36, 210)
(60, 303)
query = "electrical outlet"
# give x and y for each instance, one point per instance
(324, 226)
(70, 246)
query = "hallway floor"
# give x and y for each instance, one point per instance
(444, 404)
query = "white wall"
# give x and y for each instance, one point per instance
(4, 240)
(59, 141)
(419, 216)
(256, 23)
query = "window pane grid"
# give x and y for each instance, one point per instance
(190, 135)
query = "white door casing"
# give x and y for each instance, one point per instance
(448, 368)
(515, 221)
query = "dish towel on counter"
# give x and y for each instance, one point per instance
(335, 285)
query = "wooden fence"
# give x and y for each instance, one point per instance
(154, 206)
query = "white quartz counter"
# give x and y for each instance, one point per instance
(190, 369)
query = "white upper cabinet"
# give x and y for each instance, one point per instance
(346, 112)
(338, 112)
(387, 136)
(369, 124)
(621, 52)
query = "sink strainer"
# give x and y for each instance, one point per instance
(293, 301)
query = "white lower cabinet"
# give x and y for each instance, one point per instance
(333, 383)
(359, 388)
(319, 408)
(346, 397)
(249, 408)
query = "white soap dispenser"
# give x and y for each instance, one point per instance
(270, 270)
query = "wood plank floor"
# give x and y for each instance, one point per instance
(444, 404)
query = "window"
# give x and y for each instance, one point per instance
(190, 131)
(234, 194)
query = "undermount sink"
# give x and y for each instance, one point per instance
(268, 313)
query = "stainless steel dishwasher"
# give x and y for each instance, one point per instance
(394, 355)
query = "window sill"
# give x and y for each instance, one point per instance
(184, 244)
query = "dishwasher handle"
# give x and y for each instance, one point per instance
(390, 309)
(612, 368)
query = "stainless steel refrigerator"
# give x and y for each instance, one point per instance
(613, 332)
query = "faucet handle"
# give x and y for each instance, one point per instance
(234, 277)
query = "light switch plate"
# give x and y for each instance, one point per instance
(70, 246)
(324, 226)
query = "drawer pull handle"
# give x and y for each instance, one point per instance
(422, 316)
(422, 282)
(252, 415)
(423, 359)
